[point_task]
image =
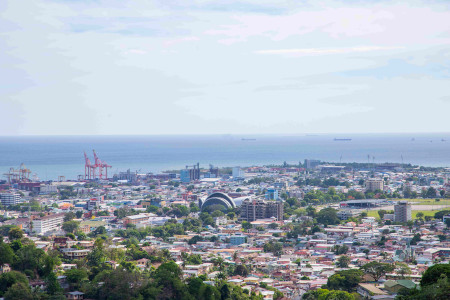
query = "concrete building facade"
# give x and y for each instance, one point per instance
(48, 223)
(374, 184)
(255, 209)
(402, 212)
(9, 198)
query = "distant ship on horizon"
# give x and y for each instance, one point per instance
(344, 140)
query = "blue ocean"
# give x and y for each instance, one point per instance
(51, 156)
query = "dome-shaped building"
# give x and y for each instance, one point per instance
(217, 201)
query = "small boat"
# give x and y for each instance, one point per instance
(443, 140)
(342, 140)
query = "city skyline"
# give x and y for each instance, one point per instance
(221, 67)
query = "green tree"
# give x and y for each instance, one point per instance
(275, 248)
(69, 216)
(420, 215)
(338, 249)
(217, 213)
(118, 284)
(310, 211)
(75, 277)
(246, 225)
(324, 294)
(377, 269)
(6, 254)
(346, 280)
(168, 280)
(440, 214)
(433, 273)
(439, 290)
(52, 284)
(10, 278)
(15, 233)
(431, 192)
(241, 270)
(328, 216)
(30, 258)
(343, 261)
(381, 213)
(70, 226)
(19, 291)
(402, 269)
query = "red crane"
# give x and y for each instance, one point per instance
(90, 169)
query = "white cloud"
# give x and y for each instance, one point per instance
(145, 67)
(324, 51)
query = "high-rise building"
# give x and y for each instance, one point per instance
(9, 198)
(272, 194)
(237, 173)
(374, 184)
(254, 209)
(190, 174)
(311, 163)
(402, 212)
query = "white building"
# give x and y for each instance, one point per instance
(237, 172)
(348, 213)
(48, 223)
(9, 198)
(48, 189)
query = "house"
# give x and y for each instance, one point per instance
(74, 253)
(5, 268)
(367, 290)
(142, 263)
(393, 286)
(75, 295)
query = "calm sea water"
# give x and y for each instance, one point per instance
(49, 157)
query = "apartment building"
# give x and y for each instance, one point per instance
(254, 209)
(9, 198)
(135, 219)
(48, 223)
(374, 184)
(402, 212)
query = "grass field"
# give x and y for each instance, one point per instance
(374, 213)
(426, 201)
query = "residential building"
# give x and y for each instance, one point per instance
(311, 163)
(402, 211)
(368, 291)
(9, 198)
(348, 213)
(48, 223)
(254, 209)
(238, 239)
(75, 295)
(135, 219)
(237, 173)
(374, 184)
(393, 286)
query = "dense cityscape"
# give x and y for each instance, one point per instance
(311, 230)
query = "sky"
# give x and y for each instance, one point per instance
(223, 67)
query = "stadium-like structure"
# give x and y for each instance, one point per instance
(218, 198)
